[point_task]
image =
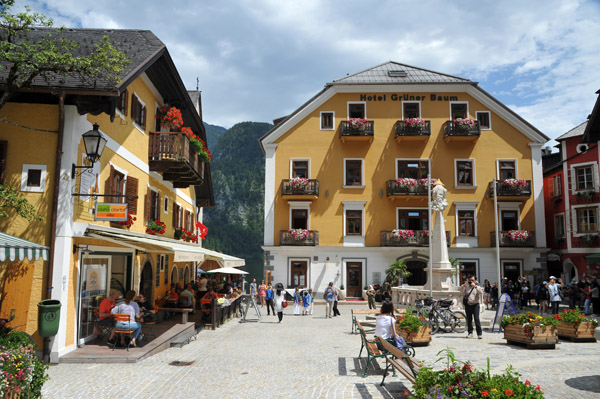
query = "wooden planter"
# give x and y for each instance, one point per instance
(542, 338)
(582, 332)
(419, 338)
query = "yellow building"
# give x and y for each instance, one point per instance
(152, 173)
(345, 188)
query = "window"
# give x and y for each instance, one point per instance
(556, 186)
(411, 110)
(138, 112)
(465, 173)
(353, 171)
(152, 204)
(353, 223)
(587, 220)
(559, 225)
(122, 103)
(166, 204)
(357, 110)
(466, 223)
(177, 216)
(467, 269)
(484, 118)
(157, 271)
(299, 219)
(164, 267)
(458, 110)
(414, 169)
(298, 274)
(157, 127)
(507, 170)
(3, 147)
(509, 220)
(188, 220)
(584, 178)
(412, 219)
(327, 120)
(300, 169)
(123, 187)
(33, 178)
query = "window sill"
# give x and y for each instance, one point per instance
(138, 127)
(353, 186)
(465, 187)
(119, 114)
(327, 130)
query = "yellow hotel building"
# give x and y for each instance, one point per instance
(152, 171)
(364, 144)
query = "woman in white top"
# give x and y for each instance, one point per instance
(279, 298)
(127, 308)
(384, 324)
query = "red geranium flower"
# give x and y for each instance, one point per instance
(484, 393)
(508, 392)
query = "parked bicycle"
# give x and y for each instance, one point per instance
(440, 316)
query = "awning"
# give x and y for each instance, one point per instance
(227, 270)
(223, 259)
(594, 258)
(14, 248)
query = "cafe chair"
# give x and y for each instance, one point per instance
(150, 332)
(125, 318)
(104, 330)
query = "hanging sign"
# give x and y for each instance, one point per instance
(111, 212)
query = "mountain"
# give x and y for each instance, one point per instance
(235, 224)
(213, 134)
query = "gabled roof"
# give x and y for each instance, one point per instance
(396, 73)
(576, 131)
(592, 130)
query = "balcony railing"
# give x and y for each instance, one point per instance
(393, 189)
(285, 238)
(456, 130)
(585, 197)
(405, 130)
(419, 239)
(366, 131)
(171, 155)
(511, 188)
(311, 189)
(507, 239)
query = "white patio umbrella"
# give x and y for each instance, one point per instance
(227, 270)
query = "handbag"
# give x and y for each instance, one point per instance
(398, 341)
(466, 297)
(284, 304)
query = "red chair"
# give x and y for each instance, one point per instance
(124, 318)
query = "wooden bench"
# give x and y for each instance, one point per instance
(400, 361)
(373, 352)
(184, 312)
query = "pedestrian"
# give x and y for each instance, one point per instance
(253, 289)
(279, 298)
(371, 297)
(474, 294)
(297, 302)
(262, 293)
(595, 295)
(305, 303)
(328, 296)
(494, 296)
(554, 293)
(336, 295)
(269, 300)
(311, 300)
(487, 293)
(542, 298)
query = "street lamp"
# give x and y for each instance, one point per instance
(94, 144)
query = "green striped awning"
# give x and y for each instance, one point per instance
(13, 248)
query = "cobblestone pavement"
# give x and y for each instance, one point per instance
(310, 357)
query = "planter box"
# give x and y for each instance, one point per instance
(419, 338)
(542, 338)
(583, 332)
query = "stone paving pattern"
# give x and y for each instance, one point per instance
(311, 357)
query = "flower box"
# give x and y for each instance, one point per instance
(419, 338)
(582, 332)
(543, 337)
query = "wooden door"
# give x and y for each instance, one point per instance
(354, 279)
(299, 275)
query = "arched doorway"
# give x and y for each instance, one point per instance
(146, 282)
(174, 278)
(186, 275)
(419, 275)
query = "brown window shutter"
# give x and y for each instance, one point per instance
(133, 106)
(147, 204)
(125, 106)
(108, 185)
(175, 206)
(3, 146)
(131, 190)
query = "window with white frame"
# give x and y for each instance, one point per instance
(485, 119)
(587, 220)
(466, 219)
(507, 169)
(464, 172)
(300, 168)
(459, 110)
(559, 225)
(138, 112)
(299, 215)
(411, 109)
(327, 120)
(357, 110)
(354, 223)
(33, 178)
(166, 204)
(353, 172)
(412, 168)
(555, 186)
(584, 178)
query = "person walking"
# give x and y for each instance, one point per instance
(297, 302)
(311, 300)
(269, 300)
(554, 293)
(305, 303)
(253, 289)
(474, 294)
(371, 297)
(336, 295)
(279, 298)
(329, 296)
(262, 293)
(487, 293)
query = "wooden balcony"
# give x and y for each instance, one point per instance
(289, 192)
(171, 155)
(507, 241)
(405, 132)
(395, 191)
(454, 131)
(285, 238)
(365, 132)
(508, 190)
(420, 239)
(585, 197)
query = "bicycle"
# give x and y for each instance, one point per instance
(440, 316)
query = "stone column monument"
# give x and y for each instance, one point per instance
(442, 269)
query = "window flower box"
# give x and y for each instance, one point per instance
(515, 184)
(406, 182)
(399, 234)
(299, 184)
(299, 234)
(155, 227)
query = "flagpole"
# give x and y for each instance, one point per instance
(430, 234)
(498, 273)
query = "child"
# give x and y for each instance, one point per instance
(305, 303)
(310, 301)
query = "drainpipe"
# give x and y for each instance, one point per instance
(57, 170)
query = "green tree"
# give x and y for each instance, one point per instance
(48, 56)
(9, 199)
(397, 271)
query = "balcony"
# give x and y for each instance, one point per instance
(292, 189)
(171, 155)
(311, 239)
(363, 130)
(407, 132)
(410, 188)
(510, 189)
(514, 238)
(585, 197)
(420, 238)
(459, 131)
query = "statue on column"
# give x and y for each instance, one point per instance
(438, 203)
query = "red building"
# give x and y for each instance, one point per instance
(572, 202)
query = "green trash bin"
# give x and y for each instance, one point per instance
(48, 317)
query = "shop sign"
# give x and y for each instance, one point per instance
(111, 212)
(407, 97)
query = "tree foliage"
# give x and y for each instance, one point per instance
(10, 199)
(50, 55)
(396, 271)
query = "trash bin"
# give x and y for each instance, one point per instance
(48, 317)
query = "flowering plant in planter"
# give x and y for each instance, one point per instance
(414, 122)
(529, 321)
(155, 227)
(406, 182)
(299, 234)
(17, 370)
(410, 322)
(464, 123)
(514, 183)
(398, 234)
(299, 183)
(517, 235)
(575, 317)
(198, 145)
(129, 222)
(357, 123)
(170, 118)
(423, 182)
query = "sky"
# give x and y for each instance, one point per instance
(261, 59)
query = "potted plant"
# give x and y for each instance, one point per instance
(518, 236)
(299, 184)
(414, 125)
(397, 271)
(406, 183)
(357, 124)
(576, 326)
(342, 292)
(402, 235)
(129, 222)
(531, 329)
(169, 118)
(299, 234)
(155, 227)
(464, 124)
(514, 184)
(413, 328)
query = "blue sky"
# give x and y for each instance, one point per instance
(261, 59)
